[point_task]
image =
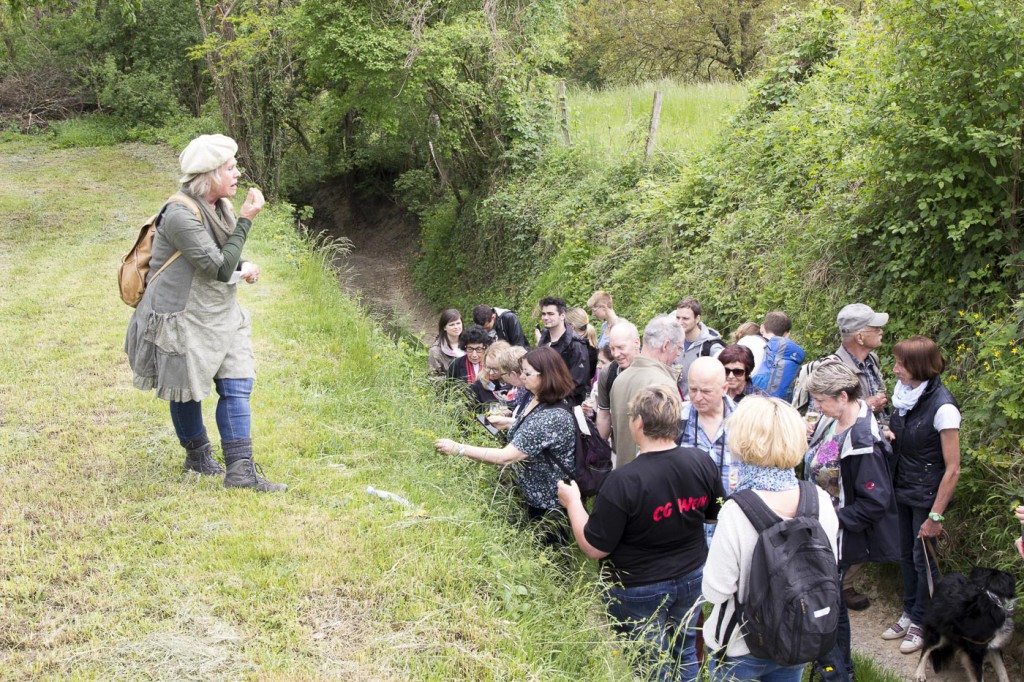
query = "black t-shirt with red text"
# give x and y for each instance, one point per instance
(650, 514)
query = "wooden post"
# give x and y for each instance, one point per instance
(563, 114)
(655, 117)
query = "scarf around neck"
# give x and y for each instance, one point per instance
(450, 351)
(753, 477)
(220, 222)
(904, 398)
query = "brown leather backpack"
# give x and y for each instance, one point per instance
(131, 276)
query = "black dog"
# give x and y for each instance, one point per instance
(971, 617)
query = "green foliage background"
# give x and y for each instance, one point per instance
(877, 159)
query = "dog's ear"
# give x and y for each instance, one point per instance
(1002, 584)
(981, 617)
(981, 576)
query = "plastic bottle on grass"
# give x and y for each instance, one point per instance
(385, 495)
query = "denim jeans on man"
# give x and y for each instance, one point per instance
(661, 614)
(234, 416)
(744, 668)
(912, 562)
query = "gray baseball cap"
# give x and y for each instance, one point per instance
(856, 316)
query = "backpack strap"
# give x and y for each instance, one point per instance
(759, 514)
(808, 505)
(706, 346)
(176, 198)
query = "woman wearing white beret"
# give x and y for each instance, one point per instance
(188, 331)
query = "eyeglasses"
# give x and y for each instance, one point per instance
(493, 370)
(474, 349)
(529, 374)
(735, 371)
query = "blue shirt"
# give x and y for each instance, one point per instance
(716, 446)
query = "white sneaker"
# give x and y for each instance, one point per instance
(898, 630)
(914, 641)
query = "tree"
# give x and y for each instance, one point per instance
(249, 50)
(693, 39)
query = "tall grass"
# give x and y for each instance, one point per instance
(114, 564)
(614, 122)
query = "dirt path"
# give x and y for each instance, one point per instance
(867, 627)
(376, 269)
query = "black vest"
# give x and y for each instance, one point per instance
(918, 447)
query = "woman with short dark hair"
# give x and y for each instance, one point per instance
(926, 425)
(647, 528)
(739, 365)
(544, 433)
(473, 342)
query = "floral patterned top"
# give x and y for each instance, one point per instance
(824, 461)
(544, 428)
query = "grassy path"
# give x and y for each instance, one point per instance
(116, 565)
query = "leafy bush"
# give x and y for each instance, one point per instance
(878, 159)
(139, 97)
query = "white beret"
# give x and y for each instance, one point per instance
(204, 154)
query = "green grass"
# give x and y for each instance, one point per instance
(612, 122)
(116, 565)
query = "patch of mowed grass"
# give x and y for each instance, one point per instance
(613, 122)
(114, 564)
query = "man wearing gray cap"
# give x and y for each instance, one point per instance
(860, 330)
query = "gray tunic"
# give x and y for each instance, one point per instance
(188, 328)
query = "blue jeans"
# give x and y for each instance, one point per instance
(234, 418)
(663, 617)
(743, 668)
(837, 664)
(912, 562)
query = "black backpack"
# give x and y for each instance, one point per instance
(792, 609)
(593, 456)
(708, 347)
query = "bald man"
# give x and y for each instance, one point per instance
(624, 343)
(662, 340)
(705, 411)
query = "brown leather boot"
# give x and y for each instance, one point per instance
(199, 456)
(243, 472)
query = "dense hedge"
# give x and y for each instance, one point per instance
(877, 159)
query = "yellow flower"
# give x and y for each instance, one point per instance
(1014, 350)
(995, 353)
(949, 281)
(976, 315)
(977, 333)
(961, 313)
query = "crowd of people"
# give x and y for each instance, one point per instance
(701, 430)
(693, 420)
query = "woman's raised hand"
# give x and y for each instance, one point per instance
(253, 203)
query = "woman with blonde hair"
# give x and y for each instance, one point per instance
(767, 438)
(580, 322)
(189, 333)
(507, 360)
